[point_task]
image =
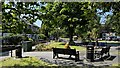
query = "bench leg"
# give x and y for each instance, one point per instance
(108, 54)
(54, 56)
(70, 56)
(57, 56)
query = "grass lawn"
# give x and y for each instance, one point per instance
(116, 65)
(29, 61)
(60, 45)
(119, 52)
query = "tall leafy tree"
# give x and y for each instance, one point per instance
(65, 15)
(115, 19)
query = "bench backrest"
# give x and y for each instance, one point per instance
(64, 51)
(9, 48)
(105, 50)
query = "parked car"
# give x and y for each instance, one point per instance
(114, 38)
(118, 38)
(99, 39)
(108, 38)
(103, 38)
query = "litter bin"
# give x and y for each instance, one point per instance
(19, 52)
(90, 53)
(27, 46)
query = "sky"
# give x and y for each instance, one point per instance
(38, 23)
(104, 15)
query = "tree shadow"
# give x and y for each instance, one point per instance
(69, 58)
(98, 60)
(111, 58)
(118, 48)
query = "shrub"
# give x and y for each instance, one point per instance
(25, 38)
(12, 40)
(43, 47)
(30, 39)
(39, 47)
(42, 36)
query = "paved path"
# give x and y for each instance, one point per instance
(47, 56)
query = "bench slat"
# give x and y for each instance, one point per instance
(57, 51)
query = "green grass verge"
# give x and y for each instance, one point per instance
(60, 45)
(29, 61)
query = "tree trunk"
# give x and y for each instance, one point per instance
(46, 34)
(71, 31)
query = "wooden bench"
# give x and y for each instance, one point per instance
(103, 51)
(73, 52)
(18, 49)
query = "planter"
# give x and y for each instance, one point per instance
(27, 46)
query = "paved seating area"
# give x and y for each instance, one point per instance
(47, 56)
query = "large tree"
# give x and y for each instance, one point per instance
(68, 15)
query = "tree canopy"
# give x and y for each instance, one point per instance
(62, 15)
(17, 15)
(72, 18)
